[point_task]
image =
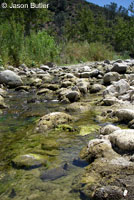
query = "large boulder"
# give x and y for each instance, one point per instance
(52, 120)
(125, 115)
(106, 177)
(123, 139)
(10, 78)
(110, 77)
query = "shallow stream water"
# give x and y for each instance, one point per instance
(17, 137)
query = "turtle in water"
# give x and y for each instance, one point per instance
(55, 173)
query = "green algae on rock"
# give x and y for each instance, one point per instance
(51, 120)
(66, 127)
(29, 161)
(85, 130)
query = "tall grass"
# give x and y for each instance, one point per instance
(83, 51)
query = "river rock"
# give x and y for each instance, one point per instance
(125, 115)
(71, 94)
(123, 139)
(96, 88)
(106, 177)
(53, 174)
(108, 129)
(119, 67)
(2, 103)
(10, 78)
(52, 120)
(44, 67)
(29, 161)
(79, 107)
(117, 88)
(83, 85)
(110, 77)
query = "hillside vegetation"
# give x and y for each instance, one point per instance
(67, 32)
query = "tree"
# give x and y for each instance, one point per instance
(30, 17)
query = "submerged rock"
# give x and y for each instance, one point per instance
(29, 161)
(78, 107)
(53, 174)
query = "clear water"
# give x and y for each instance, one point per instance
(17, 137)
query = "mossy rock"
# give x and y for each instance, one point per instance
(52, 120)
(86, 130)
(29, 161)
(50, 144)
(66, 127)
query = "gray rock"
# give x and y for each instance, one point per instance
(110, 77)
(123, 139)
(53, 174)
(44, 67)
(119, 67)
(10, 78)
(96, 88)
(117, 88)
(108, 129)
(125, 115)
(52, 120)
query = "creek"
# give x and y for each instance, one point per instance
(17, 137)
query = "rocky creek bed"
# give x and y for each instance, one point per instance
(66, 132)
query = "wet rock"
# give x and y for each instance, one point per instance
(97, 148)
(106, 176)
(29, 161)
(66, 127)
(54, 174)
(108, 129)
(110, 77)
(78, 107)
(108, 193)
(49, 144)
(52, 120)
(88, 129)
(10, 78)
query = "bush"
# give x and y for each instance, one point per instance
(39, 48)
(16, 48)
(83, 51)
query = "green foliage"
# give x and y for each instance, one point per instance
(83, 51)
(17, 48)
(39, 47)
